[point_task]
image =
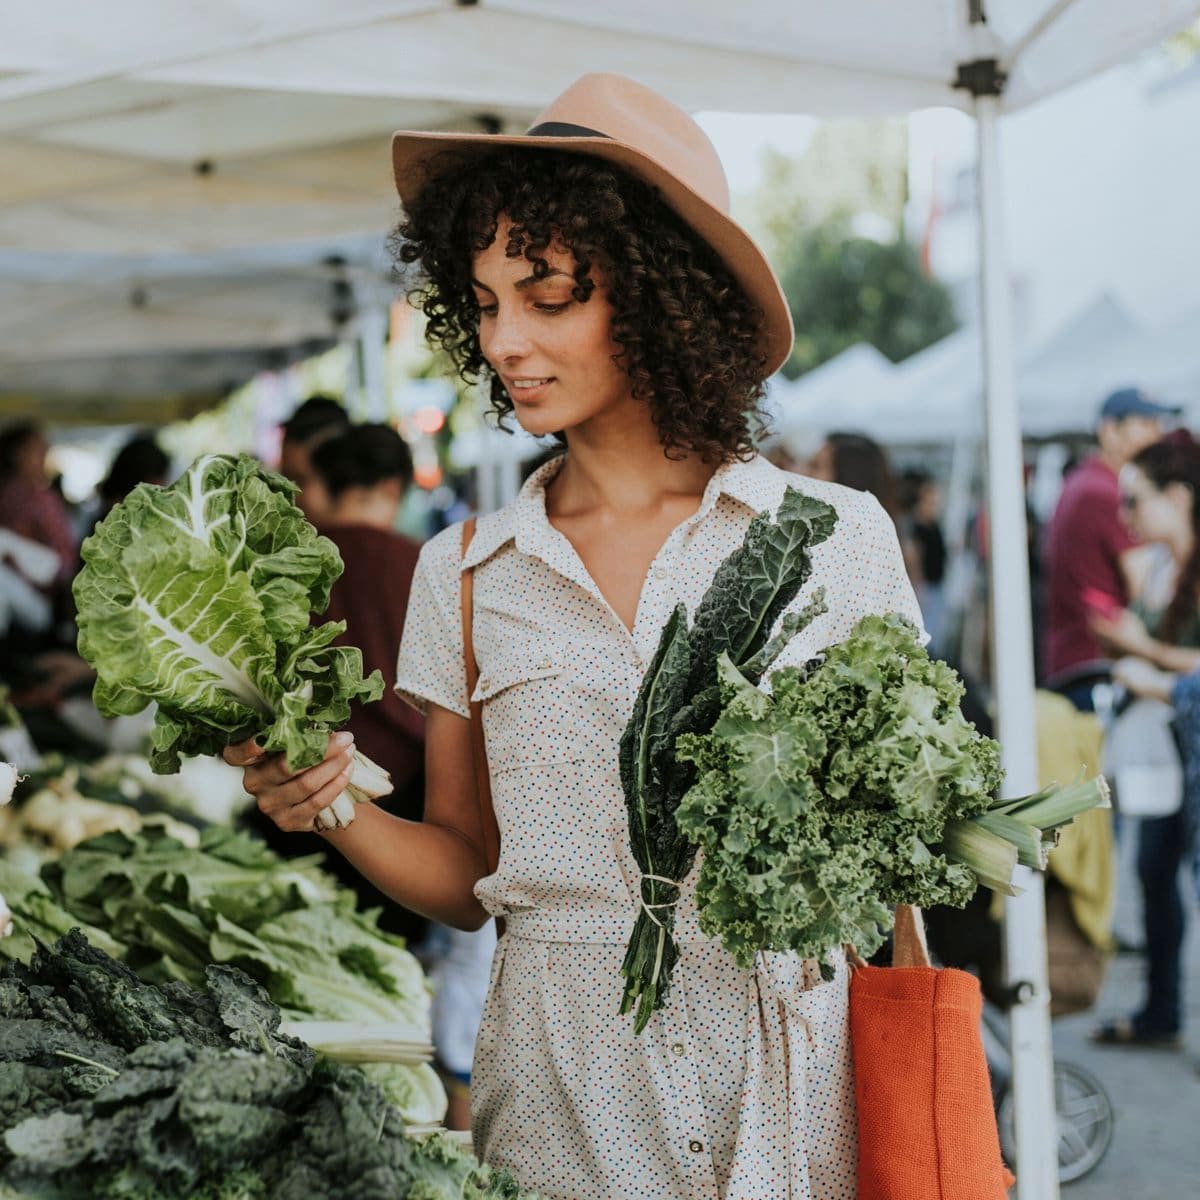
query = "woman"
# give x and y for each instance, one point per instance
(857, 461)
(1160, 499)
(590, 274)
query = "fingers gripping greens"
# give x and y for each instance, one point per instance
(199, 597)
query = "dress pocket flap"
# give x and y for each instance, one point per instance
(504, 672)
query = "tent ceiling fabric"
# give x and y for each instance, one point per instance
(141, 126)
(146, 129)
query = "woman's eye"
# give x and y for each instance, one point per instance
(552, 308)
(487, 310)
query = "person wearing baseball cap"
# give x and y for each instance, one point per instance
(589, 275)
(1091, 562)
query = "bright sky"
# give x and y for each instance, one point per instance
(740, 139)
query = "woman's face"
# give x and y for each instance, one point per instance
(1155, 514)
(553, 354)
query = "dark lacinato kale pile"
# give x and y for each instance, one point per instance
(112, 1087)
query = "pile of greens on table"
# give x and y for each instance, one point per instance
(170, 910)
(114, 1088)
(849, 784)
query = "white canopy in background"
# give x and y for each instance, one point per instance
(173, 126)
(935, 396)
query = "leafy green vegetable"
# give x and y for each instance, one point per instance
(679, 694)
(170, 911)
(111, 1087)
(857, 783)
(198, 597)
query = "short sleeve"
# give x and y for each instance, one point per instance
(430, 668)
(893, 590)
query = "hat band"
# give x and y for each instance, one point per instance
(563, 129)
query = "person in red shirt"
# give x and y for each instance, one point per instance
(29, 506)
(1091, 562)
(365, 471)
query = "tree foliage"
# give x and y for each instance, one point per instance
(844, 289)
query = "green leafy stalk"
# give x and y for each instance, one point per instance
(198, 597)
(854, 785)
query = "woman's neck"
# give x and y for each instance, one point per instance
(623, 471)
(1181, 546)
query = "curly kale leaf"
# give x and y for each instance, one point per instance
(821, 803)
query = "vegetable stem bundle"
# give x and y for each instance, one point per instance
(199, 597)
(856, 784)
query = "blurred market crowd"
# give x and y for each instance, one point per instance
(1114, 557)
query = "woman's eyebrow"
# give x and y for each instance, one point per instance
(521, 284)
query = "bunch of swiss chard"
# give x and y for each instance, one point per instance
(855, 784)
(199, 597)
(111, 1087)
(680, 695)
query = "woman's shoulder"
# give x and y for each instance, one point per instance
(443, 554)
(857, 512)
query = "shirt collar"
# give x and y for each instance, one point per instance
(755, 483)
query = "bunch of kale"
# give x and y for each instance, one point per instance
(750, 592)
(111, 1087)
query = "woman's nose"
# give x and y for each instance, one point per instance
(506, 338)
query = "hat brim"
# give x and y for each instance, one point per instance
(419, 156)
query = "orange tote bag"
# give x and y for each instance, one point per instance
(926, 1126)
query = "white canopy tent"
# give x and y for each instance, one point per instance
(182, 127)
(935, 396)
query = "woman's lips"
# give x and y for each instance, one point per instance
(526, 395)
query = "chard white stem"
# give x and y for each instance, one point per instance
(369, 778)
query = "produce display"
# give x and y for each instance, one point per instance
(114, 1088)
(854, 784)
(170, 910)
(199, 597)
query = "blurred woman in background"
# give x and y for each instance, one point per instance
(857, 461)
(1160, 501)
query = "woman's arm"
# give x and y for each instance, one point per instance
(1126, 633)
(430, 866)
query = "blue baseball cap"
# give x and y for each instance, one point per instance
(1133, 402)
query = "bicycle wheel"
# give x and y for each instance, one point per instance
(1085, 1121)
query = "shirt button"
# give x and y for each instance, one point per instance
(661, 574)
(679, 1048)
(484, 682)
(695, 1147)
(544, 665)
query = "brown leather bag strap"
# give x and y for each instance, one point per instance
(483, 779)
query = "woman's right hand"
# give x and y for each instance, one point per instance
(293, 800)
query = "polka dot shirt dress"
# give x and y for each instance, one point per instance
(741, 1088)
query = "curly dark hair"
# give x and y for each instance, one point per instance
(689, 335)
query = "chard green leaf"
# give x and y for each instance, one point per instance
(199, 597)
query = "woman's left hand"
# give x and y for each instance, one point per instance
(1124, 631)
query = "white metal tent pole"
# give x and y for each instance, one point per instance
(1012, 674)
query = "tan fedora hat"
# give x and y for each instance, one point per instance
(614, 118)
